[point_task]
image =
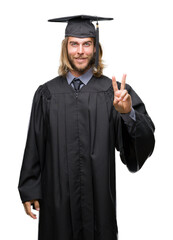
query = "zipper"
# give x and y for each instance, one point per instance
(76, 94)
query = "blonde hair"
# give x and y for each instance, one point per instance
(65, 65)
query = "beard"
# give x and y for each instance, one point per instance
(82, 70)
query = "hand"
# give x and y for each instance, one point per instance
(27, 206)
(122, 100)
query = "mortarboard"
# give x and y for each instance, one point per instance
(81, 26)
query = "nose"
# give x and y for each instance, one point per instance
(80, 49)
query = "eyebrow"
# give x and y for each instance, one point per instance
(89, 41)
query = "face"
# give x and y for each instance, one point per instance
(81, 54)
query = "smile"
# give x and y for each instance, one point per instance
(80, 60)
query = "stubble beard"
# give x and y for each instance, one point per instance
(82, 69)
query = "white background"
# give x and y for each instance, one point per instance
(138, 42)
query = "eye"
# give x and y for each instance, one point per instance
(73, 44)
(87, 44)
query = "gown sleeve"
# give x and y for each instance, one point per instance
(134, 139)
(29, 185)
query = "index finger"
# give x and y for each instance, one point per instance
(123, 82)
(114, 84)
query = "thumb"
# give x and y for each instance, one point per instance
(37, 205)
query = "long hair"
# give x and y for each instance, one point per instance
(65, 65)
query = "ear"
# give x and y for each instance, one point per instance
(94, 49)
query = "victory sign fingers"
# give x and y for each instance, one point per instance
(122, 100)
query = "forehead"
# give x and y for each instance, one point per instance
(80, 40)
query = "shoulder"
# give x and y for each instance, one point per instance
(102, 83)
(47, 88)
(56, 84)
(52, 84)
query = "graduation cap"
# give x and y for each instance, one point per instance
(81, 26)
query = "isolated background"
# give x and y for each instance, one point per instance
(138, 42)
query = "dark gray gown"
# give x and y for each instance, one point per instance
(69, 158)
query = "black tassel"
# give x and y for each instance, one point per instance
(97, 45)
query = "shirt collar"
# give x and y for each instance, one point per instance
(84, 77)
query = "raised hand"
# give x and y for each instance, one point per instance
(122, 100)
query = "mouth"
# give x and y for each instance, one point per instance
(80, 60)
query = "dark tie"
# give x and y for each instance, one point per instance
(76, 82)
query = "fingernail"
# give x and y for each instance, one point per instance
(38, 209)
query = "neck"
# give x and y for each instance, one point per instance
(79, 73)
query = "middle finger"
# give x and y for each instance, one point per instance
(123, 82)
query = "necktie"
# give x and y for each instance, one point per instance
(76, 82)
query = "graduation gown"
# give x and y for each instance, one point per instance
(69, 158)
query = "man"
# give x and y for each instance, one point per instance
(77, 121)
